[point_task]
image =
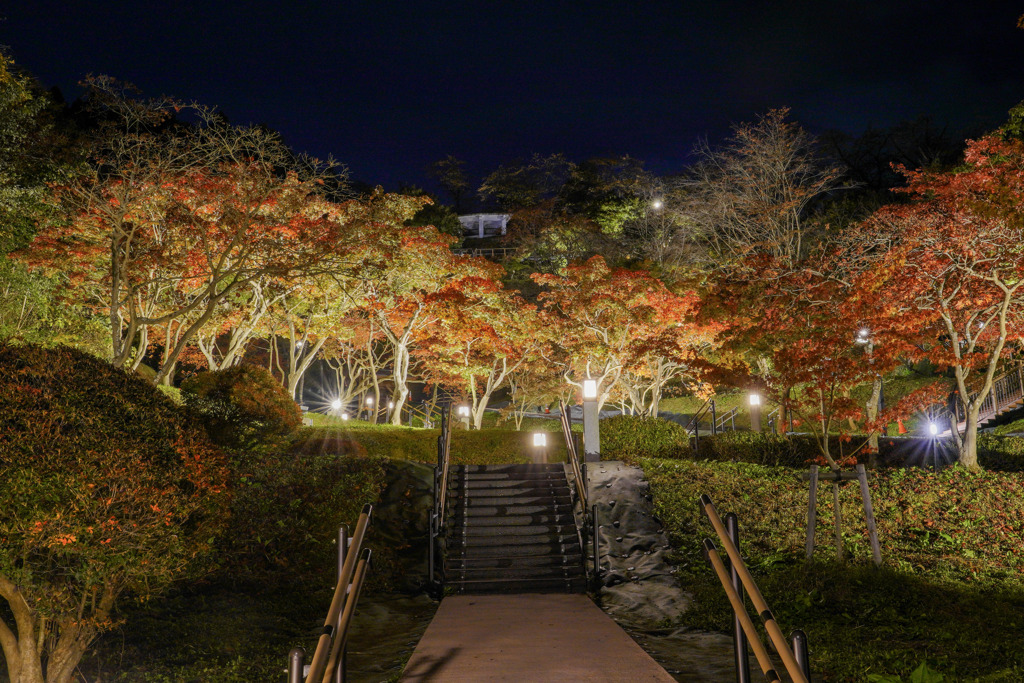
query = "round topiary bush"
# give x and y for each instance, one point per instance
(106, 486)
(628, 436)
(242, 406)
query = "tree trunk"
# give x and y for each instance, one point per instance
(872, 414)
(399, 376)
(968, 455)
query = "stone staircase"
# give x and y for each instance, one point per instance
(511, 529)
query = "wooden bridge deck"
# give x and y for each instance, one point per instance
(528, 637)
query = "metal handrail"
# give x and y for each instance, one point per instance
(796, 669)
(1007, 389)
(730, 417)
(328, 658)
(579, 474)
(574, 456)
(439, 511)
(707, 408)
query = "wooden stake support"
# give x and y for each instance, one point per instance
(860, 475)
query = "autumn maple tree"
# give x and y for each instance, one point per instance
(951, 261)
(611, 323)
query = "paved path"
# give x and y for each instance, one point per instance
(528, 638)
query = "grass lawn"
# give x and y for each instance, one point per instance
(950, 593)
(477, 447)
(895, 386)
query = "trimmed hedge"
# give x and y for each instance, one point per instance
(242, 406)
(625, 437)
(476, 447)
(287, 508)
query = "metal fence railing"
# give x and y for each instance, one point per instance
(736, 580)
(439, 511)
(587, 519)
(328, 663)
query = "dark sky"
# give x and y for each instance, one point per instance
(388, 87)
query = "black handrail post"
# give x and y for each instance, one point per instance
(799, 640)
(432, 538)
(739, 638)
(596, 528)
(714, 419)
(296, 665)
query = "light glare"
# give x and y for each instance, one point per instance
(540, 439)
(755, 399)
(589, 388)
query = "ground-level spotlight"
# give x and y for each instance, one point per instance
(540, 446)
(336, 404)
(344, 416)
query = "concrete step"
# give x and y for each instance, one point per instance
(491, 469)
(513, 520)
(525, 537)
(513, 573)
(547, 585)
(484, 499)
(512, 509)
(496, 530)
(555, 560)
(505, 550)
(506, 476)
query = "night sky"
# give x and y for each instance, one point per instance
(388, 87)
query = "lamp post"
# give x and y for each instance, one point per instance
(876, 403)
(591, 431)
(755, 411)
(540, 444)
(464, 414)
(369, 408)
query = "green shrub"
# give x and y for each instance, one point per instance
(950, 545)
(242, 406)
(107, 488)
(1001, 453)
(286, 509)
(759, 448)
(626, 437)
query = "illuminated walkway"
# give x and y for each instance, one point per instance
(528, 637)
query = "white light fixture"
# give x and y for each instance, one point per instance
(369, 400)
(464, 411)
(864, 332)
(540, 439)
(589, 389)
(299, 344)
(344, 416)
(933, 428)
(657, 204)
(391, 404)
(336, 404)
(755, 399)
